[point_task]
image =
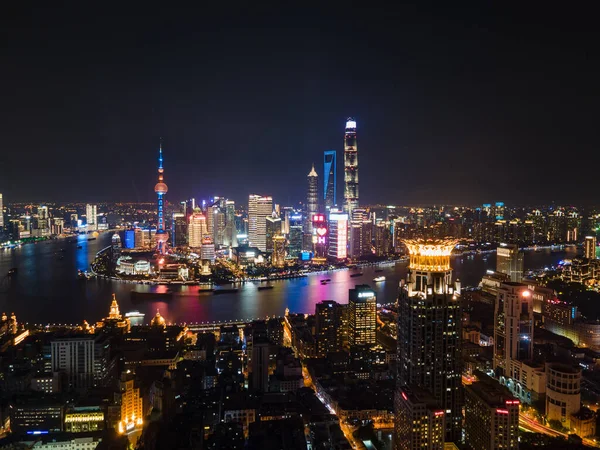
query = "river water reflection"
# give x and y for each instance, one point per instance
(46, 288)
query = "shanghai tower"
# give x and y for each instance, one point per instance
(350, 167)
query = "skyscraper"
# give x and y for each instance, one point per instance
(362, 315)
(429, 331)
(91, 216)
(338, 235)
(162, 236)
(230, 239)
(197, 229)
(278, 255)
(259, 208)
(273, 228)
(295, 235)
(513, 328)
(491, 416)
(328, 327)
(420, 420)
(589, 246)
(350, 167)
(329, 178)
(1, 212)
(179, 230)
(509, 260)
(312, 207)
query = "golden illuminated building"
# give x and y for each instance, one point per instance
(131, 405)
(158, 321)
(430, 255)
(114, 320)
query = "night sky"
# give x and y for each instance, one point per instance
(454, 105)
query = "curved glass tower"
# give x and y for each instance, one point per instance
(350, 167)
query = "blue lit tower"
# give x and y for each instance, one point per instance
(162, 237)
(350, 167)
(329, 178)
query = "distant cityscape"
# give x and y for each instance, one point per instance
(512, 362)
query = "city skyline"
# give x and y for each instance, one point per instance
(489, 97)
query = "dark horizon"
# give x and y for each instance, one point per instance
(454, 105)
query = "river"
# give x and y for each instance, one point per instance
(46, 288)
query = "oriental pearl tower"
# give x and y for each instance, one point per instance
(162, 237)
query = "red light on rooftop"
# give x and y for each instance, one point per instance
(439, 413)
(404, 396)
(502, 411)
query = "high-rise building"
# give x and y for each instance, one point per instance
(329, 178)
(272, 229)
(230, 237)
(350, 167)
(362, 315)
(312, 194)
(513, 328)
(419, 420)
(179, 230)
(491, 416)
(338, 235)
(328, 327)
(131, 402)
(295, 235)
(91, 216)
(311, 208)
(278, 255)
(197, 229)
(260, 363)
(589, 246)
(83, 359)
(259, 208)
(207, 251)
(1, 212)
(509, 260)
(429, 330)
(563, 392)
(162, 236)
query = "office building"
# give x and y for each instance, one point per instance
(131, 402)
(197, 229)
(329, 179)
(259, 208)
(338, 235)
(295, 235)
(179, 230)
(278, 255)
(162, 236)
(91, 216)
(362, 316)
(513, 329)
(272, 229)
(84, 359)
(419, 422)
(312, 194)
(350, 167)
(491, 416)
(207, 250)
(328, 327)
(36, 414)
(589, 246)
(230, 237)
(1, 213)
(260, 363)
(509, 260)
(563, 392)
(429, 329)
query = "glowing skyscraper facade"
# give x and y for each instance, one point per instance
(350, 167)
(162, 237)
(259, 208)
(429, 336)
(329, 178)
